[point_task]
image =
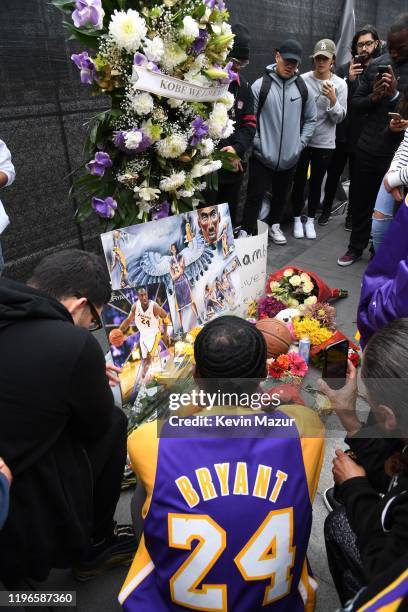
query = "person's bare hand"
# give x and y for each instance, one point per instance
(329, 91)
(378, 90)
(398, 125)
(345, 468)
(355, 71)
(111, 373)
(390, 83)
(344, 400)
(5, 470)
(235, 162)
(397, 194)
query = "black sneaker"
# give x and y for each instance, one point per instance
(118, 550)
(324, 218)
(330, 501)
(348, 226)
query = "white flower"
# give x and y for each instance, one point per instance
(305, 277)
(228, 100)
(310, 300)
(173, 103)
(206, 166)
(288, 272)
(295, 281)
(144, 207)
(186, 193)
(294, 303)
(142, 103)
(195, 203)
(308, 287)
(196, 78)
(206, 147)
(154, 49)
(216, 28)
(173, 182)
(172, 146)
(226, 29)
(218, 121)
(133, 140)
(229, 129)
(274, 285)
(190, 28)
(173, 56)
(127, 29)
(146, 193)
(206, 16)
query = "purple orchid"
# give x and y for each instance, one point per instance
(119, 140)
(200, 129)
(99, 165)
(88, 12)
(232, 76)
(200, 42)
(105, 208)
(212, 4)
(160, 211)
(141, 61)
(86, 66)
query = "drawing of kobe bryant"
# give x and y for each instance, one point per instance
(179, 270)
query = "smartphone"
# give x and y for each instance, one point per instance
(382, 70)
(359, 59)
(396, 116)
(335, 364)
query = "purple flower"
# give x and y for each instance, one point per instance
(200, 129)
(119, 140)
(141, 61)
(200, 42)
(88, 12)
(86, 66)
(232, 76)
(212, 4)
(99, 165)
(160, 211)
(105, 208)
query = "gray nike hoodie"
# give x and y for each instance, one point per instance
(282, 134)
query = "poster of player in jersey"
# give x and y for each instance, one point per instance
(191, 254)
(140, 332)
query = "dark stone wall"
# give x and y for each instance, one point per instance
(44, 109)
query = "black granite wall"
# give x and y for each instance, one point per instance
(44, 109)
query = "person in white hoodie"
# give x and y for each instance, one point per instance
(7, 176)
(330, 93)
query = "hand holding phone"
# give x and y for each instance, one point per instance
(335, 364)
(395, 116)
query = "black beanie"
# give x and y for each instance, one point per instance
(242, 39)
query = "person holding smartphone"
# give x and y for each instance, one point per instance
(365, 47)
(377, 95)
(330, 94)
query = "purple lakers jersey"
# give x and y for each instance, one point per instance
(227, 522)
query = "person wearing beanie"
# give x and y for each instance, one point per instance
(222, 489)
(286, 120)
(239, 143)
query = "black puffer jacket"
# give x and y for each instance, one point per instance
(372, 139)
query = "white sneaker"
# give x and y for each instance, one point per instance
(298, 230)
(310, 229)
(276, 234)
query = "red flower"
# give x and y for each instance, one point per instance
(276, 370)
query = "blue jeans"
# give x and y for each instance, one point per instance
(384, 204)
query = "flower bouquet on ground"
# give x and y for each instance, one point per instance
(295, 287)
(164, 65)
(289, 368)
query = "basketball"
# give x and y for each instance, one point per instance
(116, 337)
(277, 336)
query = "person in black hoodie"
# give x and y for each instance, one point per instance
(60, 433)
(369, 533)
(377, 95)
(230, 181)
(365, 47)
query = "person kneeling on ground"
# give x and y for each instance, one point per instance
(370, 532)
(60, 433)
(228, 513)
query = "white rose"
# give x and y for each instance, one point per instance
(308, 287)
(295, 281)
(274, 285)
(289, 272)
(305, 277)
(310, 300)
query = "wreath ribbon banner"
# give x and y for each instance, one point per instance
(170, 87)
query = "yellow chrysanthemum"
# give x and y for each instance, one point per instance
(305, 326)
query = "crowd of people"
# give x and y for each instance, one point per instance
(223, 522)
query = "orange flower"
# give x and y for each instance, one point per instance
(283, 362)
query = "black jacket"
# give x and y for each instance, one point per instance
(376, 113)
(54, 396)
(245, 125)
(379, 521)
(348, 131)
